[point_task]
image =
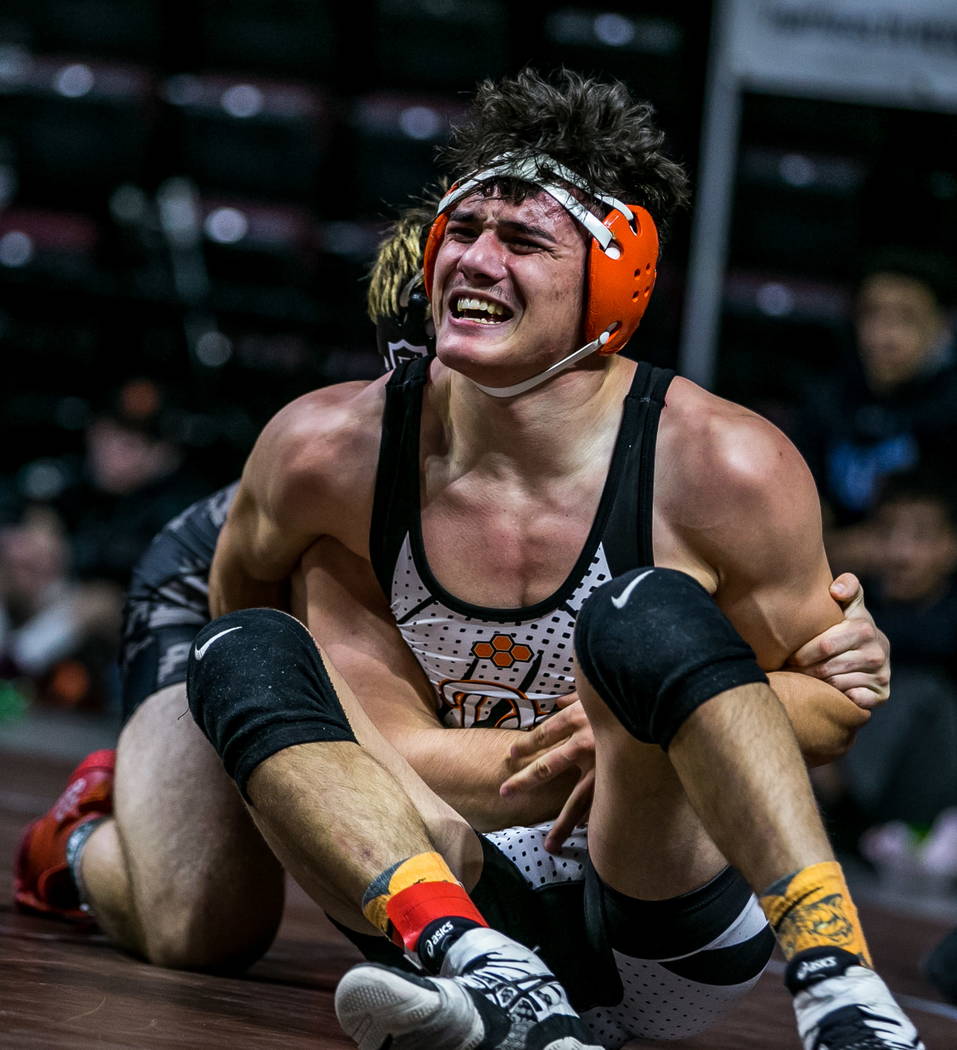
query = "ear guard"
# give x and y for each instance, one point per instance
(617, 290)
(409, 332)
(622, 258)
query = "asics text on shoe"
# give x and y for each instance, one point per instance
(842, 1005)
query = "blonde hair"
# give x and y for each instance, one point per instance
(399, 258)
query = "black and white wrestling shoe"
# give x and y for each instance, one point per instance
(493, 994)
(841, 1005)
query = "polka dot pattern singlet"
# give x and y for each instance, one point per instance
(504, 668)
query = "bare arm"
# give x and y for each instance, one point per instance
(755, 527)
(341, 602)
(824, 719)
(854, 655)
(288, 495)
(300, 514)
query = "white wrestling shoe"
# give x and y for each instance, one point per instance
(841, 1005)
(493, 994)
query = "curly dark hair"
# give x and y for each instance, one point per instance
(593, 127)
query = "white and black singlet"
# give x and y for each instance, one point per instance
(504, 668)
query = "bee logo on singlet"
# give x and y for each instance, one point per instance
(477, 702)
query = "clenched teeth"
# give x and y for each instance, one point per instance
(480, 310)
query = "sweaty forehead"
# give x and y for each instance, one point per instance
(539, 212)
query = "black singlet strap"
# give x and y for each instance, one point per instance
(658, 383)
(627, 536)
(396, 489)
(625, 532)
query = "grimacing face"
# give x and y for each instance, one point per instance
(899, 323)
(508, 291)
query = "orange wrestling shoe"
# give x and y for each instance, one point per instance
(42, 881)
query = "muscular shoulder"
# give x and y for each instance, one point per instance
(312, 453)
(736, 506)
(333, 417)
(728, 478)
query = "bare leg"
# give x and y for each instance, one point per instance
(171, 878)
(363, 835)
(760, 811)
(706, 802)
(382, 812)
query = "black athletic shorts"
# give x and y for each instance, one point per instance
(168, 600)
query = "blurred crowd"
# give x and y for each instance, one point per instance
(878, 430)
(880, 435)
(71, 529)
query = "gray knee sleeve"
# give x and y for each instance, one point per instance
(654, 646)
(256, 685)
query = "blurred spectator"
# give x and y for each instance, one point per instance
(894, 405)
(132, 479)
(65, 567)
(913, 592)
(58, 637)
(901, 774)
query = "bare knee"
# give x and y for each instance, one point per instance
(204, 890)
(202, 934)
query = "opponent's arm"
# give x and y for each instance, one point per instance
(851, 656)
(344, 607)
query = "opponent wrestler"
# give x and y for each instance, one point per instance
(482, 508)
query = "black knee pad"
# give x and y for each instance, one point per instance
(257, 685)
(654, 646)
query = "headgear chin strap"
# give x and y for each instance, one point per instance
(621, 265)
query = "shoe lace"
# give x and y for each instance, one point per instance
(847, 1029)
(507, 982)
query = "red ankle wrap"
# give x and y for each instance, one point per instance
(412, 909)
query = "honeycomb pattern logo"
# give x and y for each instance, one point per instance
(502, 651)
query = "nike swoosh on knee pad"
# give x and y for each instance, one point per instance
(620, 601)
(200, 650)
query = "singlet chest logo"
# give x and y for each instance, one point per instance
(478, 702)
(502, 650)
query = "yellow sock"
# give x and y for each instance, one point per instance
(407, 897)
(813, 908)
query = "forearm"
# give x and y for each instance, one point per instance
(823, 718)
(466, 767)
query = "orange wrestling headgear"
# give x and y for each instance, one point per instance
(622, 259)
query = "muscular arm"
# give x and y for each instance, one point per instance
(288, 495)
(300, 513)
(754, 529)
(338, 597)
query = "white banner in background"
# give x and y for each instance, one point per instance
(886, 52)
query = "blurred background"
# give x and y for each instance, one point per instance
(190, 200)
